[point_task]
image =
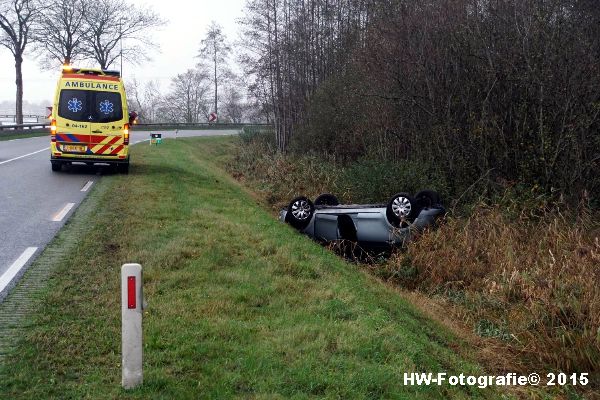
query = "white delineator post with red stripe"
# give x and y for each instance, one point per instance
(131, 328)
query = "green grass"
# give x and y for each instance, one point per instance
(23, 135)
(240, 305)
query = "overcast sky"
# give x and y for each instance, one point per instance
(179, 41)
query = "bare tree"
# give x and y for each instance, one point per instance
(145, 99)
(233, 104)
(60, 33)
(16, 20)
(215, 50)
(187, 101)
(291, 47)
(113, 23)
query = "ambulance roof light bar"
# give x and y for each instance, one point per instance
(69, 69)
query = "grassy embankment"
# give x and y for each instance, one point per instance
(519, 272)
(239, 304)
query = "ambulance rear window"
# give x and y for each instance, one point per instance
(73, 105)
(107, 107)
(90, 106)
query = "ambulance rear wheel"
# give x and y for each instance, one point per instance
(56, 166)
(123, 168)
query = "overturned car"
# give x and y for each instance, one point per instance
(368, 225)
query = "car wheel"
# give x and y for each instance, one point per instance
(56, 166)
(299, 212)
(427, 198)
(401, 209)
(326, 199)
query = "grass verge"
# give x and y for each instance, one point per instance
(239, 304)
(23, 135)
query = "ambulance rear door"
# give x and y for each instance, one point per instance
(107, 124)
(72, 123)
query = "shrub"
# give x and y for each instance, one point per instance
(277, 177)
(257, 135)
(370, 180)
(535, 277)
(280, 177)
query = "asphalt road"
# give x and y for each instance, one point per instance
(36, 202)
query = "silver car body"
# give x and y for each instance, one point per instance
(370, 224)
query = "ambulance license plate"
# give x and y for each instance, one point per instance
(74, 149)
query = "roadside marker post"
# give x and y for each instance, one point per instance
(131, 325)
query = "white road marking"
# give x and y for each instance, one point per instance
(23, 156)
(140, 141)
(58, 217)
(87, 186)
(14, 269)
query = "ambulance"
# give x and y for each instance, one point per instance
(89, 120)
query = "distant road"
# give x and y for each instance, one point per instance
(35, 202)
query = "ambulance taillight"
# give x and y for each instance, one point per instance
(53, 131)
(126, 134)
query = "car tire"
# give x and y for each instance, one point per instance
(401, 209)
(56, 166)
(427, 199)
(299, 212)
(326, 199)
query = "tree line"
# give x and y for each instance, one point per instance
(189, 98)
(67, 31)
(211, 86)
(498, 92)
(100, 33)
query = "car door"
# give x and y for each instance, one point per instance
(326, 226)
(371, 226)
(106, 124)
(72, 123)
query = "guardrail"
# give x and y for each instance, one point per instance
(30, 128)
(28, 116)
(24, 116)
(22, 128)
(200, 125)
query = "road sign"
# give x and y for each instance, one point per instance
(48, 112)
(155, 138)
(212, 117)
